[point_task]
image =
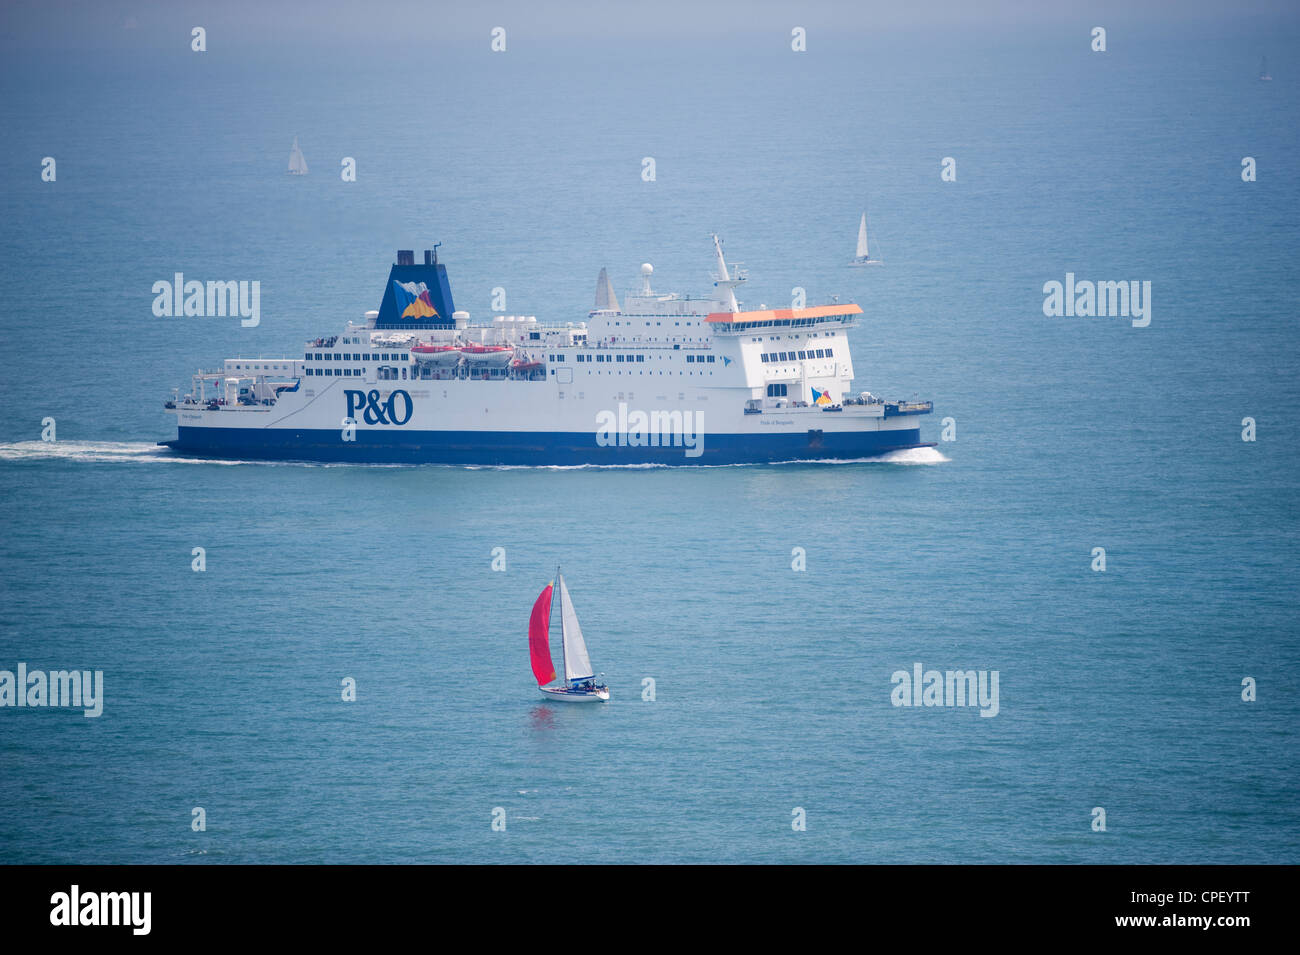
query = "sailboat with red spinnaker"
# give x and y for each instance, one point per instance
(580, 685)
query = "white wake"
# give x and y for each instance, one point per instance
(98, 452)
(143, 452)
(913, 456)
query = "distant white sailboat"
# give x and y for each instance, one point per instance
(297, 164)
(1263, 69)
(579, 684)
(864, 256)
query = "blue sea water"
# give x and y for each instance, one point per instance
(1120, 690)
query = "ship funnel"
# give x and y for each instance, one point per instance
(416, 296)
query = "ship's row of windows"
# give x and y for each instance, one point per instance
(777, 338)
(611, 371)
(628, 358)
(559, 339)
(647, 324)
(261, 367)
(344, 356)
(784, 323)
(389, 372)
(798, 355)
(610, 358)
(776, 391)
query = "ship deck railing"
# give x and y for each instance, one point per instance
(807, 407)
(671, 346)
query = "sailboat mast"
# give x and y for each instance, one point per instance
(564, 657)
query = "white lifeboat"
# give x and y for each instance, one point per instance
(491, 356)
(431, 354)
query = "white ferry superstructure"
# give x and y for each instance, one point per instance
(661, 379)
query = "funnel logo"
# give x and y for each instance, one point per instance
(821, 397)
(413, 300)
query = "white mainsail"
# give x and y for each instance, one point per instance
(605, 297)
(862, 237)
(577, 665)
(297, 164)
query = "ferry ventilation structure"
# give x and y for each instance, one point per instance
(660, 379)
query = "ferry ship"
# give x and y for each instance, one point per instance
(661, 379)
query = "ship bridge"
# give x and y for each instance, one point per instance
(839, 316)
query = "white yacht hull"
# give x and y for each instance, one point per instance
(574, 696)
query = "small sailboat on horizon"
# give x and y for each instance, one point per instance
(580, 685)
(1263, 69)
(297, 163)
(864, 256)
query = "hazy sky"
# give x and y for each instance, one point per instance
(401, 26)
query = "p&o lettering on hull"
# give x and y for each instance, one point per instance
(380, 411)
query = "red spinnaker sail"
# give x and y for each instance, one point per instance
(539, 638)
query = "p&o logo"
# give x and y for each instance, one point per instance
(377, 411)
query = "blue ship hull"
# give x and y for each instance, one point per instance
(531, 448)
